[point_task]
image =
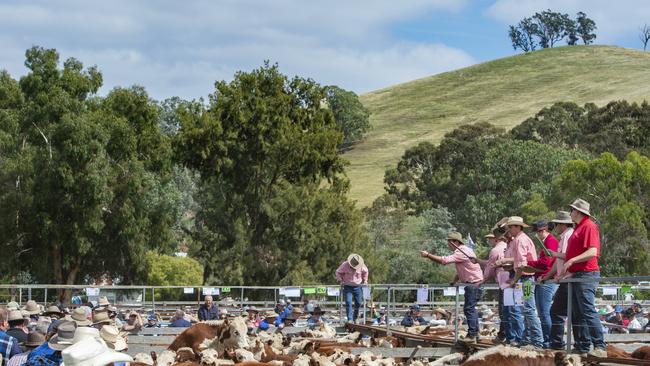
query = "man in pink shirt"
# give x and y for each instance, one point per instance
(352, 274)
(468, 271)
(498, 244)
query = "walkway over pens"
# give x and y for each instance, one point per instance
(329, 296)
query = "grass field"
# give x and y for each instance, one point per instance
(503, 92)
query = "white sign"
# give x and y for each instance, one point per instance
(92, 291)
(508, 296)
(290, 292)
(333, 291)
(423, 295)
(210, 291)
(188, 290)
(613, 291)
(449, 291)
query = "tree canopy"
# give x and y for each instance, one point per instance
(546, 28)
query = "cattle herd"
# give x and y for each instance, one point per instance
(228, 342)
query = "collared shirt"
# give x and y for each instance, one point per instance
(564, 242)
(180, 323)
(496, 253)
(544, 261)
(281, 317)
(524, 251)
(347, 275)
(208, 314)
(8, 347)
(585, 236)
(18, 360)
(313, 320)
(43, 355)
(409, 320)
(467, 271)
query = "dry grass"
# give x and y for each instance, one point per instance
(503, 92)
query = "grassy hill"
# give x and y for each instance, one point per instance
(503, 92)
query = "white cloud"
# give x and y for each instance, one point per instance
(616, 20)
(181, 48)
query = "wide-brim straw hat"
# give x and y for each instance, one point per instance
(489, 236)
(355, 260)
(34, 339)
(442, 312)
(12, 305)
(92, 352)
(516, 220)
(78, 316)
(562, 217)
(454, 235)
(15, 315)
(270, 314)
(581, 205)
(103, 301)
(101, 317)
(295, 314)
(111, 335)
(32, 308)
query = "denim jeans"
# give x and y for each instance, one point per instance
(585, 322)
(558, 315)
(543, 299)
(352, 293)
(472, 296)
(502, 323)
(533, 332)
(514, 324)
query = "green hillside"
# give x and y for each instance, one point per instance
(503, 92)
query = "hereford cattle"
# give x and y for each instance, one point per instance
(615, 352)
(510, 356)
(270, 355)
(213, 334)
(642, 353)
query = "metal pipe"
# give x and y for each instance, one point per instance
(388, 313)
(45, 297)
(456, 320)
(153, 300)
(568, 319)
(241, 303)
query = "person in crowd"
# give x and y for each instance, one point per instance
(49, 353)
(280, 305)
(492, 271)
(581, 261)
(352, 274)
(291, 319)
(33, 311)
(379, 317)
(289, 305)
(269, 321)
(602, 315)
(633, 326)
(316, 318)
(610, 314)
(18, 327)
(8, 344)
(178, 321)
(468, 272)
(544, 291)
(637, 309)
(413, 317)
(34, 340)
(523, 251)
(76, 298)
(152, 321)
(208, 310)
(113, 315)
(253, 319)
(135, 323)
(307, 306)
(189, 316)
(441, 316)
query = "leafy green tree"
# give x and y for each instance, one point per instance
(385, 218)
(273, 205)
(168, 270)
(523, 35)
(85, 180)
(552, 27)
(618, 192)
(350, 115)
(585, 28)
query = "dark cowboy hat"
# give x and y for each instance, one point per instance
(318, 311)
(53, 310)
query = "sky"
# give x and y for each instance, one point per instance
(180, 48)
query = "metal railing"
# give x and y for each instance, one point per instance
(390, 290)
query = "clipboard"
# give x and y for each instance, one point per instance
(538, 243)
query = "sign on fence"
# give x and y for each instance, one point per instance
(92, 291)
(333, 291)
(423, 295)
(210, 291)
(188, 290)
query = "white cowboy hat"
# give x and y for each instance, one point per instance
(92, 352)
(78, 316)
(355, 260)
(516, 220)
(103, 301)
(581, 205)
(111, 335)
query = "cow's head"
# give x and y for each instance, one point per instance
(235, 334)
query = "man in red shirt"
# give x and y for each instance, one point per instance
(544, 291)
(581, 257)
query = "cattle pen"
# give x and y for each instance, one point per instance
(391, 296)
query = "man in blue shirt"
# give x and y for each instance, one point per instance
(316, 318)
(208, 310)
(8, 344)
(413, 317)
(269, 320)
(49, 353)
(179, 320)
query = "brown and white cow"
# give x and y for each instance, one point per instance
(217, 335)
(511, 356)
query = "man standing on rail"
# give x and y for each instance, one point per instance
(352, 274)
(468, 272)
(581, 261)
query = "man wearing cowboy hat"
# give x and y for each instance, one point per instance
(114, 340)
(581, 261)
(440, 317)
(34, 340)
(50, 352)
(352, 274)
(91, 352)
(268, 321)
(8, 344)
(18, 327)
(316, 317)
(468, 271)
(498, 245)
(413, 317)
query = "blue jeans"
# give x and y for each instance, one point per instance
(350, 293)
(472, 296)
(543, 299)
(502, 323)
(514, 324)
(587, 329)
(533, 332)
(558, 315)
